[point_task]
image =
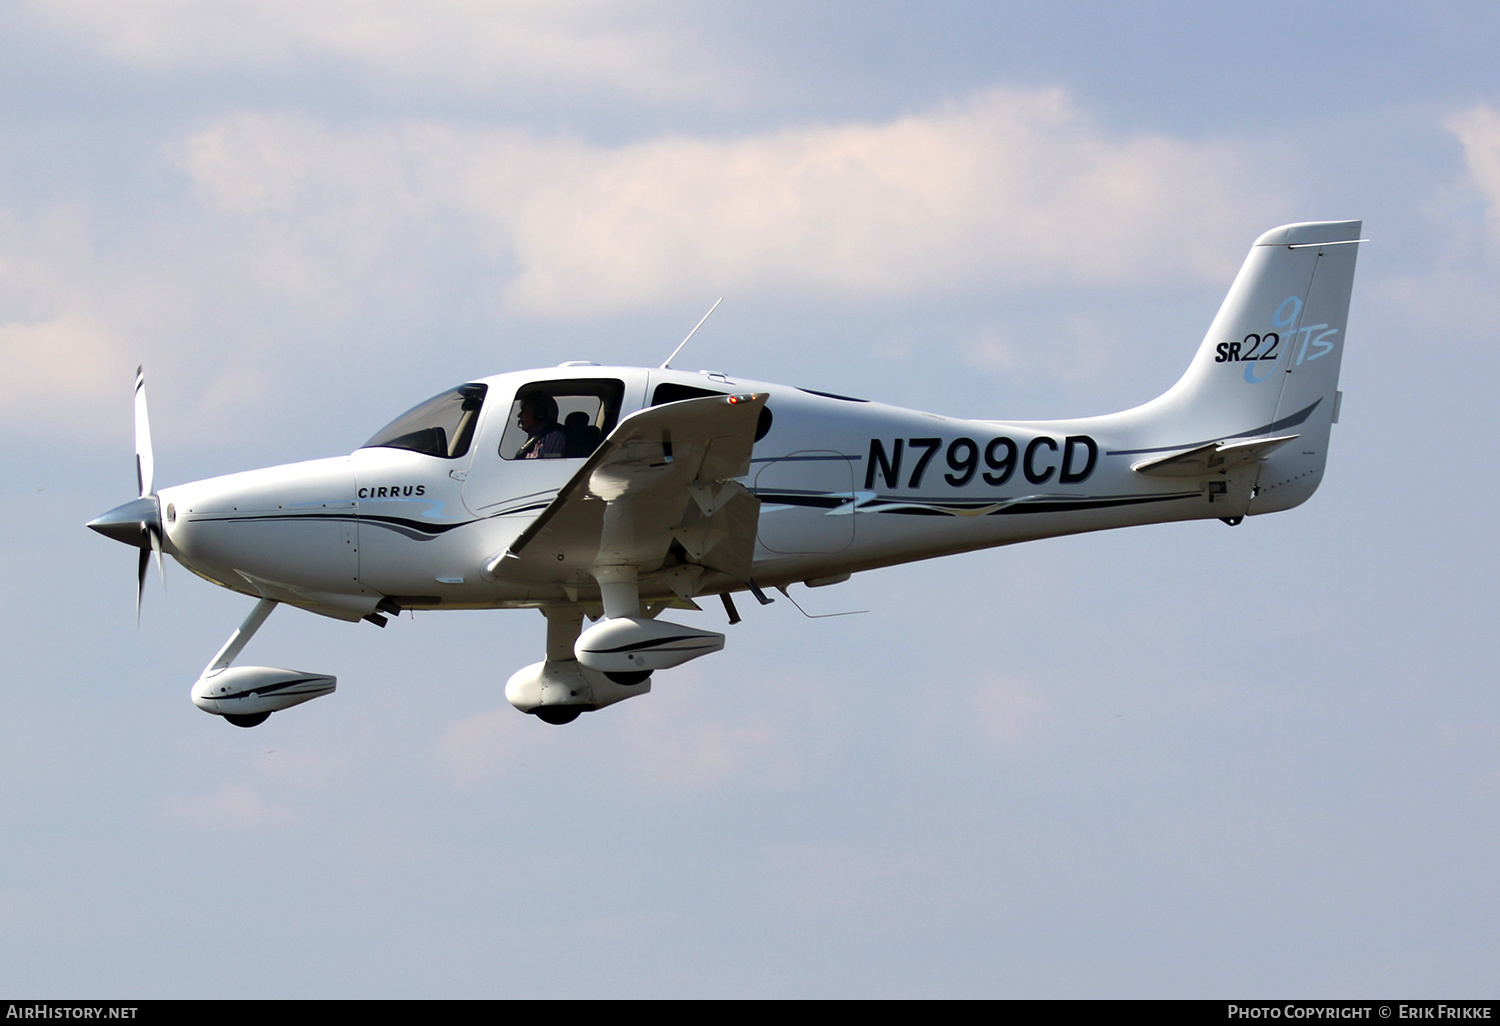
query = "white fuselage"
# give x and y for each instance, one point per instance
(844, 485)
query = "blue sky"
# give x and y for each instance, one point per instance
(1173, 761)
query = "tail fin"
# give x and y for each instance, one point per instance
(1269, 365)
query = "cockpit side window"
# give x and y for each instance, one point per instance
(561, 419)
(443, 426)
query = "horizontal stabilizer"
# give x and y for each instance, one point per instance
(1213, 458)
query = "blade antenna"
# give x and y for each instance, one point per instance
(667, 365)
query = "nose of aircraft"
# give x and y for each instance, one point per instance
(130, 523)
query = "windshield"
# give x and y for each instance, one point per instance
(442, 426)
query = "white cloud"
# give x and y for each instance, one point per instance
(1478, 130)
(61, 339)
(1009, 188)
(1009, 712)
(292, 229)
(993, 353)
(52, 364)
(233, 806)
(480, 45)
(481, 747)
(667, 748)
(679, 754)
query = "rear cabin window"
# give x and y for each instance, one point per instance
(561, 419)
(443, 426)
(669, 392)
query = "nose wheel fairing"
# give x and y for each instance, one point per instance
(247, 695)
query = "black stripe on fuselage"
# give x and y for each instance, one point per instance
(410, 528)
(910, 507)
(918, 507)
(533, 507)
(818, 500)
(834, 458)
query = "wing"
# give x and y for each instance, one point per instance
(666, 473)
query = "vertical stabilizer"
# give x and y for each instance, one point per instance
(1269, 365)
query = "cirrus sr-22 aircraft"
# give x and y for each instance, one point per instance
(617, 494)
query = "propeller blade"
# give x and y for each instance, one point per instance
(140, 581)
(138, 522)
(154, 530)
(145, 462)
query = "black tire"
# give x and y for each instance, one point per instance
(557, 715)
(629, 678)
(251, 720)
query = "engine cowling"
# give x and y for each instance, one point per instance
(626, 644)
(257, 691)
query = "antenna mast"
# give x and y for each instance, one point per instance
(667, 364)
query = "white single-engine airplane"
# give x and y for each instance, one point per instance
(616, 493)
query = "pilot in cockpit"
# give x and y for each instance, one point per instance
(545, 437)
